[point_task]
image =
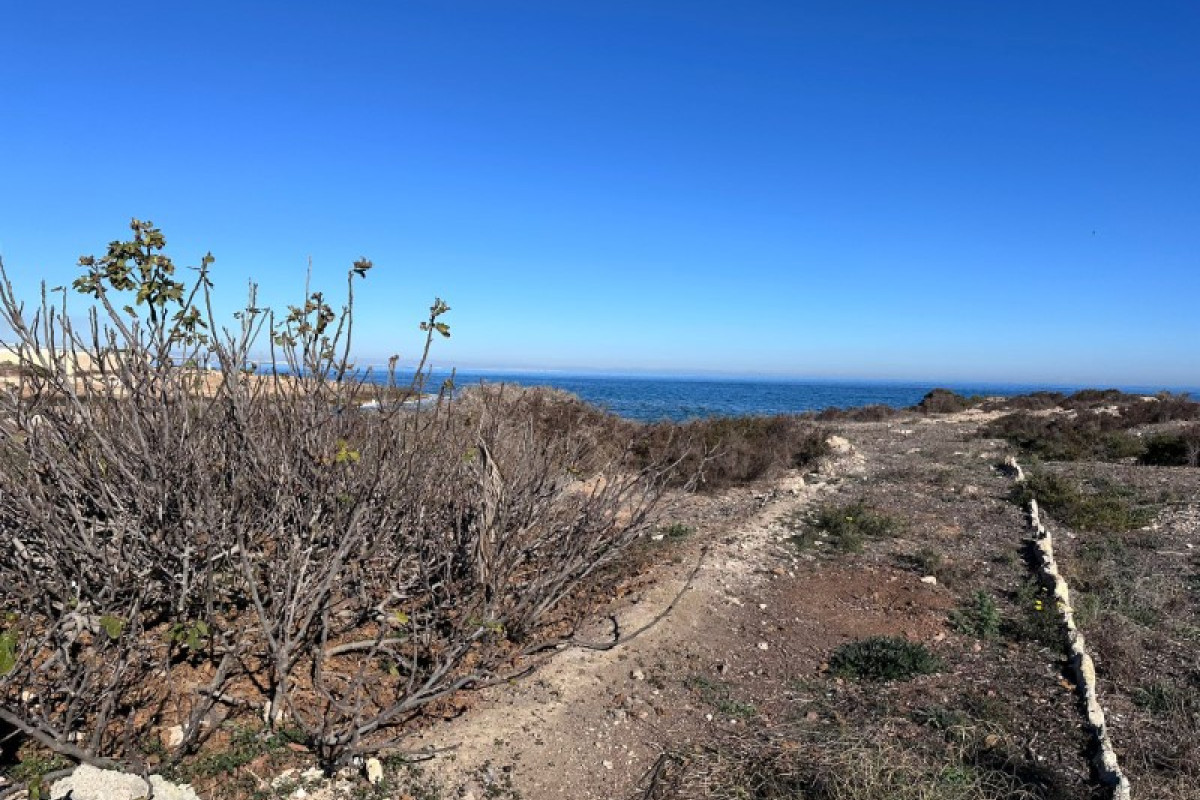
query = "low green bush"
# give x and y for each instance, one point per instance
(1107, 507)
(1180, 449)
(883, 658)
(847, 527)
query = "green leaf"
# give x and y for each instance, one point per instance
(8, 652)
(112, 626)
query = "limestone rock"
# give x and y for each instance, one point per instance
(91, 783)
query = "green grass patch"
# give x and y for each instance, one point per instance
(883, 658)
(978, 617)
(719, 696)
(1106, 506)
(844, 527)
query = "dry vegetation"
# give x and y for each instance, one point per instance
(195, 547)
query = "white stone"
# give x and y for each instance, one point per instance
(764, 646)
(174, 736)
(91, 783)
(374, 770)
(930, 579)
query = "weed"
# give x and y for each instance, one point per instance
(676, 531)
(927, 560)
(31, 770)
(1167, 699)
(978, 617)
(245, 745)
(883, 658)
(846, 527)
(719, 696)
(1037, 619)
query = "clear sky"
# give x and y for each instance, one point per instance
(952, 190)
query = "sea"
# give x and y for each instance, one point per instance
(655, 398)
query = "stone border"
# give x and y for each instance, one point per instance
(1105, 761)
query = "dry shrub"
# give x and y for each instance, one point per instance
(1034, 401)
(188, 545)
(847, 765)
(1086, 435)
(600, 436)
(945, 401)
(1161, 408)
(721, 452)
(876, 412)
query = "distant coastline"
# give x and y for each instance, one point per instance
(652, 398)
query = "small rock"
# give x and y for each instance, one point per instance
(606, 764)
(839, 444)
(638, 675)
(374, 771)
(764, 646)
(174, 736)
(930, 579)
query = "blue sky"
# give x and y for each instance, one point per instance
(1003, 191)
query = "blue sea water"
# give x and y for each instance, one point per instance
(675, 398)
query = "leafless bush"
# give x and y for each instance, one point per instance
(186, 543)
(720, 452)
(876, 412)
(599, 436)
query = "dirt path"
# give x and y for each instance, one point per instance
(591, 723)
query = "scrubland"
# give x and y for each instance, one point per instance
(229, 572)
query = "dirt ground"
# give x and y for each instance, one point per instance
(743, 655)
